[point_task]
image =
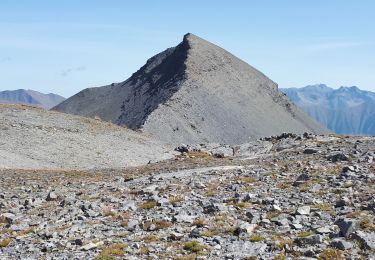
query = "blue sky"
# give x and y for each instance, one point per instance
(66, 46)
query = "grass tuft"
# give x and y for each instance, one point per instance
(193, 246)
(148, 205)
(256, 238)
(113, 250)
(330, 254)
(5, 242)
(305, 234)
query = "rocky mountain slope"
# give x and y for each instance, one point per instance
(30, 97)
(347, 110)
(286, 197)
(34, 138)
(195, 92)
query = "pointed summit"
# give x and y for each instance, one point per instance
(192, 93)
(192, 38)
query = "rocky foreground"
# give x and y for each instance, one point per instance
(277, 198)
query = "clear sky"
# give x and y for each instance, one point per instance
(68, 45)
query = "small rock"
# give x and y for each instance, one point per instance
(222, 152)
(51, 196)
(367, 240)
(9, 217)
(243, 249)
(310, 240)
(348, 226)
(276, 207)
(91, 246)
(211, 208)
(253, 217)
(78, 242)
(129, 205)
(315, 188)
(342, 202)
(183, 217)
(245, 228)
(183, 148)
(337, 157)
(249, 197)
(323, 230)
(296, 226)
(341, 244)
(175, 236)
(162, 202)
(310, 151)
(132, 225)
(301, 179)
(199, 185)
(19, 227)
(304, 210)
(348, 169)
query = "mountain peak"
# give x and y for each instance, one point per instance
(190, 37)
(198, 44)
(192, 93)
(352, 88)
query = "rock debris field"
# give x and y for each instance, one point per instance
(281, 197)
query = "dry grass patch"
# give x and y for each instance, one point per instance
(305, 233)
(162, 224)
(199, 222)
(279, 257)
(273, 214)
(367, 224)
(248, 179)
(326, 207)
(210, 232)
(148, 205)
(193, 246)
(5, 242)
(175, 200)
(243, 205)
(354, 214)
(151, 238)
(109, 213)
(305, 187)
(158, 224)
(281, 242)
(25, 232)
(220, 218)
(3, 221)
(6, 231)
(273, 173)
(186, 257)
(210, 193)
(201, 155)
(256, 238)
(105, 258)
(284, 185)
(331, 254)
(212, 189)
(144, 250)
(113, 250)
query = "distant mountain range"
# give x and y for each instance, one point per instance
(347, 110)
(30, 97)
